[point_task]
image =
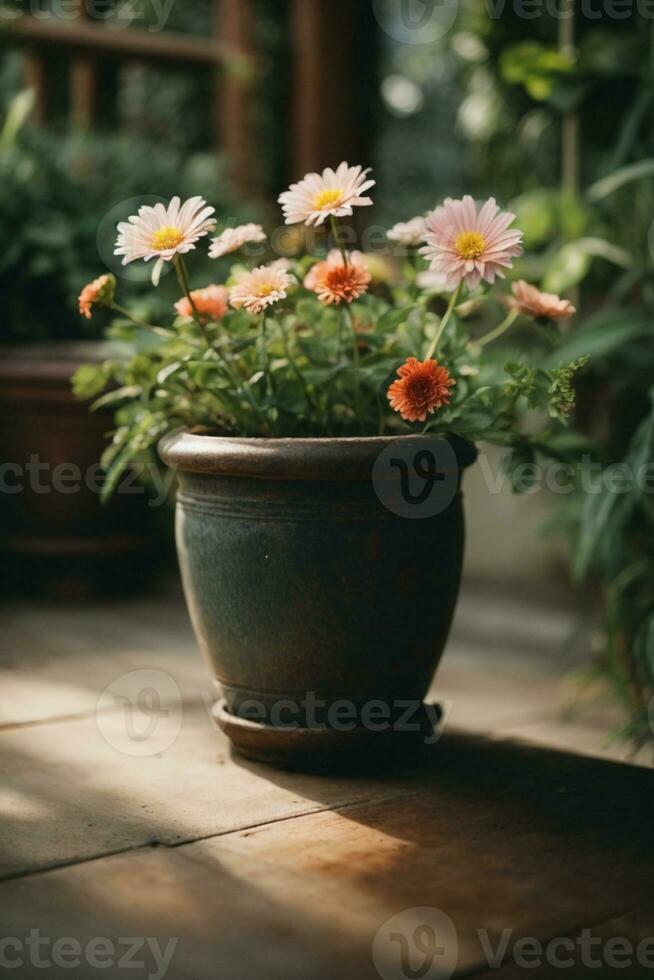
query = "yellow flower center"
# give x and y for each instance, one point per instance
(265, 290)
(327, 198)
(470, 244)
(165, 238)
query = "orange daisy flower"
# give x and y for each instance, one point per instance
(101, 290)
(423, 386)
(210, 302)
(335, 282)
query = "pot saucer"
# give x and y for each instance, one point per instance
(325, 749)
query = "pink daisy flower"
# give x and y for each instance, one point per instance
(467, 246)
(530, 301)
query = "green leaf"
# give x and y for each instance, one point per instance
(550, 390)
(572, 262)
(519, 465)
(536, 216)
(129, 442)
(562, 393)
(603, 334)
(90, 379)
(567, 446)
(391, 320)
(117, 469)
(644, 643)
(597, 512)
(569, 267)
(18, 112)
(116, 396)
(536, 66)
(168, 371)
(625, 175)
(641, 450)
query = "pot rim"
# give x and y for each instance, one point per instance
(329, 458)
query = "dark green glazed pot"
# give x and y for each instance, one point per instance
(300, 581)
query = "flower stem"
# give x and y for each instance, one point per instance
(270, 381)
(294, 365)
(263, 347)
(337, 237)
(347, 316)
(498, 331)
(444, 322)
(182, 278)
(128, 316)
(339, 341)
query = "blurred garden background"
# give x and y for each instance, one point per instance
(547, 107)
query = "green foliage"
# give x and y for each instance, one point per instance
(512, 86)
(55, 190)
(548, 390)
(307, 369)
(560, 392)
(606, 333)
(536, 66)
(91, 379)
(620, 178)
(615, 524)
(597, 242)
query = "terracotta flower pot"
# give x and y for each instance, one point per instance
(55, 534)
(311, 599)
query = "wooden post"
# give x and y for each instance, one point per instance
(166, 47)
(234, 22)
(83, 91)
(36, 78)
(570, 134)
(325, 97)
(83, 82)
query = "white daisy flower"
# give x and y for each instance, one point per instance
(161, 233)
(284, 264)
(232, 239)
(408, 233)
(334, 192)
(431, 280)
(261, 288)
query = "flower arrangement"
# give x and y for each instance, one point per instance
(334, 345)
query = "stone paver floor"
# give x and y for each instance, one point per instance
(508, 826)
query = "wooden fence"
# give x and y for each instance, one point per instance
(324, 74)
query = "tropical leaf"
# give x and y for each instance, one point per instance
(603, 188)
(602, 334)
(112, 398)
